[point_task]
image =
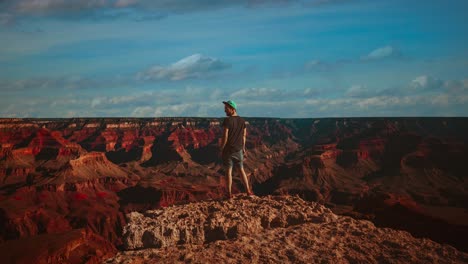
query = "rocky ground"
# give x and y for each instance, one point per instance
(271, 229)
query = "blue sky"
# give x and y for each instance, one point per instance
(278, 58)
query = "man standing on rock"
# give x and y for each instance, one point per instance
(233, 144)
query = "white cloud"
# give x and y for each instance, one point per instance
(194, 66)
(441, 99)
(139, 99)
(421, 85)
(310, 91)
(96, 102)
(411, 99)
(425, 82)
(358, 90)
(381, 53)
(162, 101)
(408, 105)
(384, 102)
(273, 94)
(256, 92)
(143, 111)
(204, 109)
(324, 66)
(420, 81)
(313, 64)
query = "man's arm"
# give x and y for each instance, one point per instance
(224, 139)
(244, 139)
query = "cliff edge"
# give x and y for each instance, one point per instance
(271, 229)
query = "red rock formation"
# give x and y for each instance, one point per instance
(15, 166)
(76, 246)
(90, 166)
(147, 154)
(15, 133)
(56, 208)
(111, 137)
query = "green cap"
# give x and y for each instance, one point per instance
(231, 104)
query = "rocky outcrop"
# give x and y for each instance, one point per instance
(148, 143)
(15, 166)
(90, 166)
(277, 229)
(204, 222)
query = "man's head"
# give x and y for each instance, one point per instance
(230, 107)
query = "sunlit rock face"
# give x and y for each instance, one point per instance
(270, 229)
(61, 175)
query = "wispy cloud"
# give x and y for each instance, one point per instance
(204, 109)
(273, 94)
(197, 102)
(162, 5)
(423, 85)
(361, 100)
(194, 66)
(167, 103)
(59, 83)
(359, 91)
(41, 6)
(151, 9)
(426, 83)
(122, 101)
(407, 105)
(382, 53)
(143, 111)
(318, 65)
(162, 98)
(457, 86)
(378, 105)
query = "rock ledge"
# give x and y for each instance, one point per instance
(269, 229)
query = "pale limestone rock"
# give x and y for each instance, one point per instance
(272, 229)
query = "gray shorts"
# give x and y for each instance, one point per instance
(234, 158)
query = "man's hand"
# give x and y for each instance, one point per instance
(220, 154)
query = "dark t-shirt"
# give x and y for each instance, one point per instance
(236, 125)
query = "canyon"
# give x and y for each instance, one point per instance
(68, 181)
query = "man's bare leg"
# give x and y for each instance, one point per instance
(229, 178)
(245, 180)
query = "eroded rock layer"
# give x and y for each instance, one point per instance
(281, 229)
